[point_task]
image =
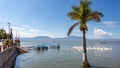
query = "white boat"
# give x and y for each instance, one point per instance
(54, 45)
(40, 47)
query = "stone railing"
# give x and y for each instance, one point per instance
(5, 47)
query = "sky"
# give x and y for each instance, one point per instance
(30, 18)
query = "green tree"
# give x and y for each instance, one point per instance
(83, 13)
(2, 31)
(3, 34)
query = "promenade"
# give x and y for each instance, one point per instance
(5, 47)
(8, 54)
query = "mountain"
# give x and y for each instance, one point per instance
(36, 38)
(69, 38)
(47, 38)
(41, 37)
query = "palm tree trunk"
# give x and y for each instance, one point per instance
(85, 61)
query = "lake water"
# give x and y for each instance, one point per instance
(66, 57)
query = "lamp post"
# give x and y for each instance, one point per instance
(9, 27)
(8, 30)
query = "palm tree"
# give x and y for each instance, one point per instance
(2, 31)
(83, 13)
(3, 34)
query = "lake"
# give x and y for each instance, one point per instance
(101, 54)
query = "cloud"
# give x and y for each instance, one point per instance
(92, 26)
(34, 30)
(26, 31)
(110, 24)
(18, 28)
(105, 24)
(100, 33)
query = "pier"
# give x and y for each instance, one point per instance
(8, 54)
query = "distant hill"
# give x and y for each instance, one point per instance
(46, 37)
(36, 38)
(41, 37)
(70, 38)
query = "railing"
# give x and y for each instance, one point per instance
(5, 47)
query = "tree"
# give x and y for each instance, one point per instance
(83, 13)
(3, 34)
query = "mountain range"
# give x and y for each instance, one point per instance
(46, 37)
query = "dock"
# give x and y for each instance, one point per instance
(22, 50)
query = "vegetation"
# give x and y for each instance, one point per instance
(83, 13)
(3, 34)
(5, 37)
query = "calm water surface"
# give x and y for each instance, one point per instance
(67, 58)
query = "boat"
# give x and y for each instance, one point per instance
(54, 45)
(40, 47)
(47, 45)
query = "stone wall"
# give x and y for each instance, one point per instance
(8, 57)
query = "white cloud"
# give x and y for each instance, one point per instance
(100, 33)
(110, 24)
(34, 30)
(18, 28)
(26, 32)
(30, 32)
(105, 24)
(90, 25)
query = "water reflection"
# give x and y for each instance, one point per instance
(40, 51)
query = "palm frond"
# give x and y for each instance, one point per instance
(85, 3)
(75, 8)
(73, 15)
(72, 27)
(94, 16)
(85, 8)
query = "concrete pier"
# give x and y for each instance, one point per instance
(22, 50)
